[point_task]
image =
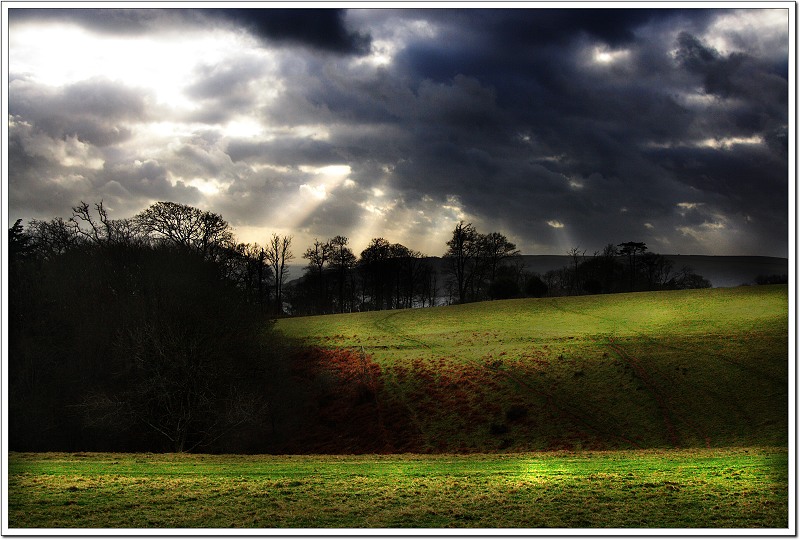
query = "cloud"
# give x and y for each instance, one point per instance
(320, 29)
(222, 91)
(504, 117)
(104, 21)
(96, 111)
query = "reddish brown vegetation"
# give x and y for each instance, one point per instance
(346, 409)
(436, 405)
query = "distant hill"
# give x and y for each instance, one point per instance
(721, 271)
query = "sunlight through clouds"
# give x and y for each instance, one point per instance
(322, 182)
(404, 121)
(604, 55)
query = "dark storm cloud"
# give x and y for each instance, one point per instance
(450, 114)
(556, 125)
(599, 118)
(498, 43)
(734, 75)
(322, 29)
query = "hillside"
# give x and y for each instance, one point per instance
(642, 370)
(721, 271)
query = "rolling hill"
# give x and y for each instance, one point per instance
(702, 368)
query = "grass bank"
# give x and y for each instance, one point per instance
(699, 488)
(701, 368)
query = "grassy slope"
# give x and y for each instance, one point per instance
(669, 369)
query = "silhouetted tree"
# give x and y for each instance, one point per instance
(101, 229)
(686, 278)
(460, 256)
(278, 254)
(52, 238)
(186, 226)
(428, 283)
(20, 243)
(535, 286)
(246, 265)
(657, 270)
(342, 261)
(631, 249)
(576, 255)
(318, 256)
(374, 265)
(771, 279)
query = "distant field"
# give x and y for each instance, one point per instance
(731, 488)
(702, 368)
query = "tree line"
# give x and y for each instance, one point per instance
(475, 266)
(155, 332)
(624, 267)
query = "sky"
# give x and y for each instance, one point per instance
(560, 128)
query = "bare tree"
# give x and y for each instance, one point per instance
(318, 256)
(631, 249)
(186, 226)
(343, 261)
(278, 254)
(374, 265)
(576, 255)
(102, 229)
(52, 238)
(495, 248)
(460, 255)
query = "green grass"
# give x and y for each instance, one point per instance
(657, 410)
(705, 368)
(702, 488)
(415, 331)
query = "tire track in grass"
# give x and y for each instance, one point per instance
(564, 412)
(384, 326)
(667, 412)
(646, 337)
(653, 390)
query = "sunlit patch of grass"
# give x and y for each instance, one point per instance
(720, 488)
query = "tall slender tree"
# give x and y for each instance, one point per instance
(496, 248)
(460, 256)
(318, 255)
(631, 249)
(342, 260)
(278, 254)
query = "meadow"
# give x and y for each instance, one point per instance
(641, 410)
(700, 488)
(700, 368)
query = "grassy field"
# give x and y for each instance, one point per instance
(701, 368)
(644, 410)
(732, 488)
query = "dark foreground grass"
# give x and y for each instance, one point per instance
(708, 488)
